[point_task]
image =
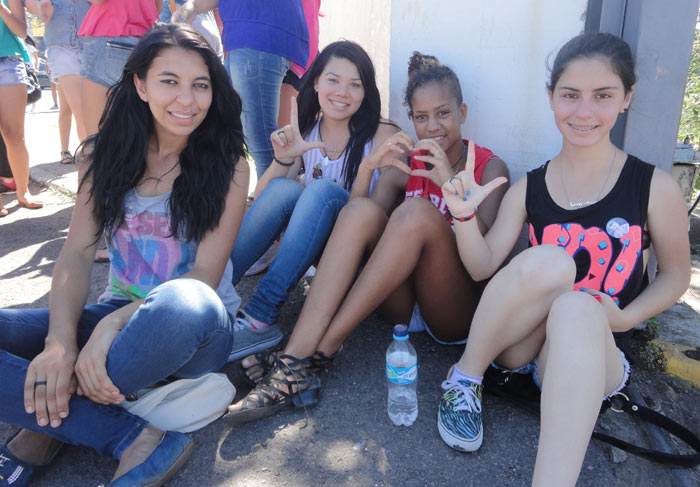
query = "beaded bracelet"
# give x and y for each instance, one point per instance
(461, 218)
(285, 164)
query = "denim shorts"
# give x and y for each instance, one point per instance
(63, 60)
(103, 58)
(531, 368)
(13, 71)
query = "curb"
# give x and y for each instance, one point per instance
(54, 181)
(681, 361)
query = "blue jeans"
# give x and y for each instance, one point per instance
(257, 77)
(181, 330)
(308, 214)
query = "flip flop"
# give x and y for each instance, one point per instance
(66, 157)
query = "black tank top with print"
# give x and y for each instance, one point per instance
(606, 239)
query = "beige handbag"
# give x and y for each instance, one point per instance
(184, 405)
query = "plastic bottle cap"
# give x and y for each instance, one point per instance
(400, 332)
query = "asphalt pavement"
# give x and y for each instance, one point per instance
(347, 440)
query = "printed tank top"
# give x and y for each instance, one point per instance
(144, 254)
(605, 239)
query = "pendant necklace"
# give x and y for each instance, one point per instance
(582, 203)
(327, 149)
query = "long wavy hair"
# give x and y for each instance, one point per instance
(364, 122)
(117, 153)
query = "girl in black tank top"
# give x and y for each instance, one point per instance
(591, 213)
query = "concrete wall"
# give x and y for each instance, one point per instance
(498, 50)
(366, 22)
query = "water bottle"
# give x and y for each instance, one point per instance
(402, 375)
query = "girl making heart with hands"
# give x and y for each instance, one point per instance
(411, 266)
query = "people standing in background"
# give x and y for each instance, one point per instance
(204, 23)
(13, 97)
(261, 39)
(62, 19)
(291, 84)
(110, 31)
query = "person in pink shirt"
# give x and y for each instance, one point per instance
(110, 31)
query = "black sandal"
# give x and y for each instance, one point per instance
(66, 157)
(291, 382)
(265, 359)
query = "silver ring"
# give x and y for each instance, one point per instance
(280, 132)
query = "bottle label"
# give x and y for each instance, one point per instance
(402, 375)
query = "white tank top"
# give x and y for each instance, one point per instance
(320, 165)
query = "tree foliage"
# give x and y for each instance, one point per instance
(690, 117)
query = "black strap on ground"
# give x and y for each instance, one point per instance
(519, 389)
(620, 402)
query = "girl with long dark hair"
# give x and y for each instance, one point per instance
(592, 212)
(163, 178)
(315, 171)
(412, 271)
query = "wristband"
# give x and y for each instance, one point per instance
(285, 164)
(462, 218)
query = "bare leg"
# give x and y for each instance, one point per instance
(287, 91)
(72, 86)
(508, 323)
(94, 99)
(14, 101)
(54, 94)
(579, 364)
(64, 119)
(359, 226)
(417, 242)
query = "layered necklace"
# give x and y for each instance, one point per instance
(581, 203)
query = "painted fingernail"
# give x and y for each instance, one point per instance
(456, 193)
(597, 298)
(468, 192)
(464, 198)
(181, 19)
(582, 288)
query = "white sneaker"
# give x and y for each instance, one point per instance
(264, 261)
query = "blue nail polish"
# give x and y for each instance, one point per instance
(456, 193)
(464, 198)
(468, 192)
(582, 289)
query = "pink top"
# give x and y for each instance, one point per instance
(311, 12)
(117, 18)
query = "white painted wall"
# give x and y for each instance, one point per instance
(367, 23)
(498, 49)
